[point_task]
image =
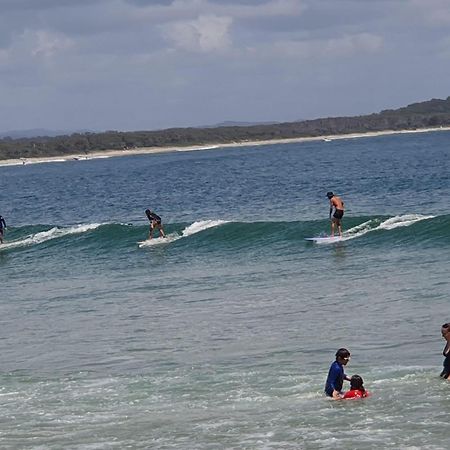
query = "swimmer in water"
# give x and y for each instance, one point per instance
(356, 388)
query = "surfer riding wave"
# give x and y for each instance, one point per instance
(338, 205)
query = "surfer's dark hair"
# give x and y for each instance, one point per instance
(330, 194)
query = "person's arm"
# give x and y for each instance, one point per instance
(337, 395)
(331, 209)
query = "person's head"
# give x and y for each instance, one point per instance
(343, 356)
(356, 382)
(147, 212)
(330, 195)
(445, 330)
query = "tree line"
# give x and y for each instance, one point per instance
(430, 114)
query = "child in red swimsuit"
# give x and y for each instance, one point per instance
(356, 388)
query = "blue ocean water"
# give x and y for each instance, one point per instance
(221, 336)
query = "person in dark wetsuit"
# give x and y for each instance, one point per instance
(336, 375)
(155, 222)
(338, 205)
(2, 228)
(445, 331)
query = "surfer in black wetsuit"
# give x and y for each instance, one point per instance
(2, 228)
(445, 331)
(338, 205)
(155, 222)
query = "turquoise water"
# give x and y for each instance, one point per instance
(221, 336)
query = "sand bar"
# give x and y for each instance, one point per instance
(151, 150)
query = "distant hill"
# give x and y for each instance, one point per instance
(434, 106)
(433, 113)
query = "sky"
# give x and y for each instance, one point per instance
(153, 64)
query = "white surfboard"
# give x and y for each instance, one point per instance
(324, 239)
(159, 240)
(154, 241)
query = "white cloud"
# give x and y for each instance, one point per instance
(204, 34)
(47, 44)
(31, 46)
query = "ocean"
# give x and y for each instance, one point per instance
(221, 336)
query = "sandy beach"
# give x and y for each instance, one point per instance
(150, 150)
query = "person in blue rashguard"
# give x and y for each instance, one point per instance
(336, 375)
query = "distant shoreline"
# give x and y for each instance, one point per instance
(154, 150)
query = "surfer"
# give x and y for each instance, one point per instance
(336, 375)
(2, 228)
(338, 205)
(155, 222)
(445, 331)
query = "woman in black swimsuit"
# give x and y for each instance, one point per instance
(445, 331)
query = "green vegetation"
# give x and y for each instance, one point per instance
(429, 114)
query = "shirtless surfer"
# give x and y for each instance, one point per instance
(338, 205)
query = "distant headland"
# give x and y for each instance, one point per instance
(429, 115)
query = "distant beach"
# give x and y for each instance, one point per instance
(150, 150)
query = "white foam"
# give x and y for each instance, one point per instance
(194, 228)
(201, 225)
(388, 224)
(53, 233)
(402, 221)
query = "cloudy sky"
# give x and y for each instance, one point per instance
(149, 64)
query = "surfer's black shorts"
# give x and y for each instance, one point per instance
(155, 222)
(338, 214)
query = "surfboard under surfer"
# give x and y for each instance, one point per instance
(338, 205)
